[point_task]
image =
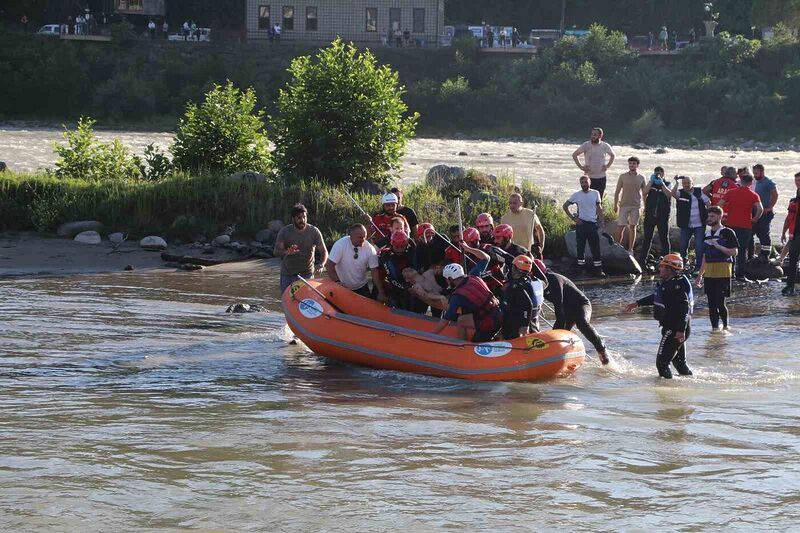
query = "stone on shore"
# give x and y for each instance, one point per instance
(616, 259)
(222, 240)
(245, 308)
(439, 176)
(153, 243)
(3, 166)
(275, 225)
(71, 229)
(116, 238)
(265, 235)
(88, 237)
(661, 150)
(759, 269)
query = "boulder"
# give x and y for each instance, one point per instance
(265, 235)
(245, 308)
(616, 259)
(88, 237)
(70, 229)
(749, 144)
(248, 176)
(759, 269)
(153, 243)
(222, 240)
(116, 238)
(275, 225)
(463, 154)
(3, 166)
(440, 176)
(661, 150)
(483, 196)
(128, 268)
(189, 267)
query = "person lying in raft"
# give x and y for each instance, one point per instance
(425, 288)
(480, 309)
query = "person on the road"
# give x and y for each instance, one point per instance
(572, 308)
(743, 208)
(522, 299)
(766, 190)
(719, 250)
(595, 163)
(479, 308)
(672, 303)
(628, 201)
(589, 215)
(692, 212)
(528, 229)
(790, 225)
(657, 208)
(350, 261)
(485, 225)
(297, 245)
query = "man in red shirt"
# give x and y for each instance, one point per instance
(794, 242)
(743, 208)
(717, 189)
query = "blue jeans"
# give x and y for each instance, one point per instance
(699, 234)
(288, 279)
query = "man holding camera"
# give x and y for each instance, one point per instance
(657, 209)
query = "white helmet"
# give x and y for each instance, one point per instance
(453, 271)
(389, 198)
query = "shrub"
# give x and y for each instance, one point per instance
(341, 118)
(648, 128)
(157, 164)
(84, 157)
(223, 134)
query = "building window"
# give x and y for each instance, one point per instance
(311, 19)
(394, 18)
(372, 19)
(288, 17)
(263, 18)
(419, 20)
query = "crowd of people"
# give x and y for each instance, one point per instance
(490, 279)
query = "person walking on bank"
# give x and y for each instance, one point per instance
(595, 164)
(716, 271)
(350, 261)
(794, 243)
(672, 303)
(657, 208)
(628, 202)
(528, 229)
(589, 215)
(692, 212)
(297, 245)
(743, 208)
(766, 190)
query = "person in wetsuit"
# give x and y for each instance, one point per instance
(672, 303)
(522, 299)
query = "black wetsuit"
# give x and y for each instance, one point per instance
(520, 306)
(572, 308)
(672, 303)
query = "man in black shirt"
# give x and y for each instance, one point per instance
(657, 207)
(410, 214)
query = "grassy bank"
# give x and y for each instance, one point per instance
(185, 206)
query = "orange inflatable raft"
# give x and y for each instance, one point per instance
(337, 323)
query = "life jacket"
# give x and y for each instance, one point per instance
(711, 254)
(720, 187)
(482, 303)
(384, 223)
(794, 203)
(451, 255)
(684, 206)
(659, 309)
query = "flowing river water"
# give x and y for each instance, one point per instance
(131, 401)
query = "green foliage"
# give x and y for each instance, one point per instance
(157, 165)
(467, 49)
(648, 128)
(341, 118)
(781, 36)
(122, 33)
(87, 158)
(772, 12)
(223, 134)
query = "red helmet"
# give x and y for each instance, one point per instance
(540, 265)
(484, 219)
(504, 230)
(471, 235)
(399, 239)
(425, 230)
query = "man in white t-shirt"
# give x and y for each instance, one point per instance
(595, 164)
(350, 260)
(590, 213)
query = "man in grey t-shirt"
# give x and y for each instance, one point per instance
(766, 190)
(297, 245)
(594, 160)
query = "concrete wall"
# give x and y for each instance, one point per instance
(348, 19)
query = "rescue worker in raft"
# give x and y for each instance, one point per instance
(672, 303)
(522, 298)
(480, 309)
(393, 259)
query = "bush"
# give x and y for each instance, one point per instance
(341, 118)
(648, 128)
(224, 134)
(158, 166)
(84, 157)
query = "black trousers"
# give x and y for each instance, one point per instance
(581, 317)
(650, 225)
(672, 351)
(717, 289)
(598, 184)
(587, 231)
(794, 256)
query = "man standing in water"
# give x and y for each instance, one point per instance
(743, 208)
(794, 243)
(297, 244)
(657, 207)
(595, 164)
(766, 190)
(672, 306)
(628, 202)
(716, 271)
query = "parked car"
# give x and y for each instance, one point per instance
(52, 30)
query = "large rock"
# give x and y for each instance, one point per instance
(70, 229)
(222, 240)
(88, 237)
(265, 235)
(275, 225)
(153, 243)
(3, 166)
(116, 238)
(759, 269)
(616, 259)
(440, 176)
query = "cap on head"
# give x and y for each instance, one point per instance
(505, 231)
(453, 271)
(471, 235)
(674, 261)
(425, 230)
(484, 219)
(399, 239)
(523, 262)
(389, 198)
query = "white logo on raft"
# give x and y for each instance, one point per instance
(493, 349)
(310, 308)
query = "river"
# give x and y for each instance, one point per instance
(131, 401)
